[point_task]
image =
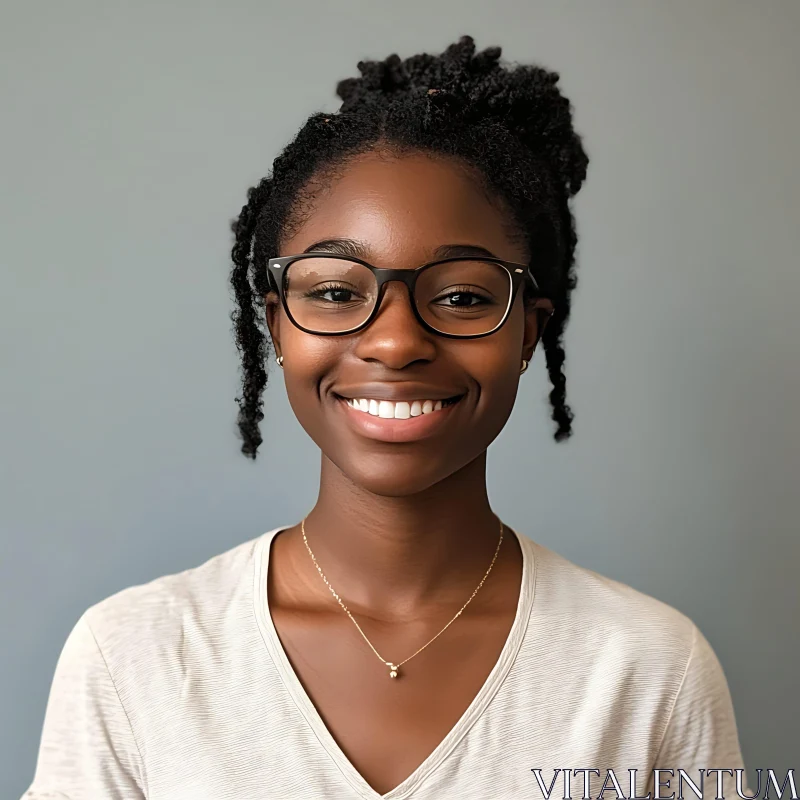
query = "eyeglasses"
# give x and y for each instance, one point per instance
(465, 298)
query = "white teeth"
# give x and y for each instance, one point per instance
(401, 410)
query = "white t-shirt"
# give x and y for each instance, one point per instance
(179, 689)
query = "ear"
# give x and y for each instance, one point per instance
(538, 311)
(272, 309)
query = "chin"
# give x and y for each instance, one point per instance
(393, 476)
(389, 487)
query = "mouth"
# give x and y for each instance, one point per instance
(402, 421)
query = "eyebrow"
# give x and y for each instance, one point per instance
(356, 249)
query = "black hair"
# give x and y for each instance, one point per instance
(510, 129)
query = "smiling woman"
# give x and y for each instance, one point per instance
(403, 261)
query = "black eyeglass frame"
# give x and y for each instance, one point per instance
(276, 270)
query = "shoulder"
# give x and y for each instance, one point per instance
(129, 663)
(169, 596)
(608, 618)
(617, 605)
(164, 619)
(599, 637)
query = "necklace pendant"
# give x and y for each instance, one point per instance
(393, 668)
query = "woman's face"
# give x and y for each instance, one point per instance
(401, 211)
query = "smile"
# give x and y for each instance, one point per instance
(402, 421)
(401, 410)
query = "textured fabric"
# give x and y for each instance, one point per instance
(179, 689)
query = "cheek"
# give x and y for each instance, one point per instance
(497, 379)
(307, 361)
(495, 363)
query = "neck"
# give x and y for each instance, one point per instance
(393, 554)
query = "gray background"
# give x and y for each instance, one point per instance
(130, 134)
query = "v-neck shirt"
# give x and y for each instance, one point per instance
(180, 689)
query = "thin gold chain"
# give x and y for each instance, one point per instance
(394, 668)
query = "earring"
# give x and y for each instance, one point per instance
(279, 359)
(524, 366)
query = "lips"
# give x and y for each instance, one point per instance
(390, 423)
(386, 409)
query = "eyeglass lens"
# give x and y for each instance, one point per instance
(334, 295)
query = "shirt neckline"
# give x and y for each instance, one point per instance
(312, 717)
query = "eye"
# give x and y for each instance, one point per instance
(462, 297)
(332, 293)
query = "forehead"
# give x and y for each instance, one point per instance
(403, 207)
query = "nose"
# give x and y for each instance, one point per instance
(395, 336)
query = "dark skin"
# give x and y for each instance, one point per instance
(403, 531)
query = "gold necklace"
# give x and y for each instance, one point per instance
(394, 669)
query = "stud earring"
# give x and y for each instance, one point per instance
(524, 366)
(279, 359)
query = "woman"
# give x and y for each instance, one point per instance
(400, 641)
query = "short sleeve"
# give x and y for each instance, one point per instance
(701, 733)
(87, 748)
